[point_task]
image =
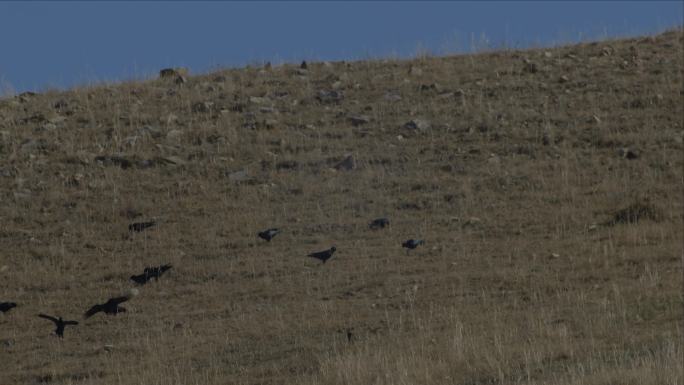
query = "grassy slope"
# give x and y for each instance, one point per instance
(520, 281)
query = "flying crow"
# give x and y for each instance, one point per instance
(412, 244)
(140, 226)
(112, 306)
(269, 234)
(323, 255)
(149, 273)
(60, 323)
(7, 306)
(379, 223)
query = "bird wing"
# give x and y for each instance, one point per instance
(70, 322)
(141, 279)
(322, 255)
(93, 310)
(53, 319)
(118, 300)
(140, 226)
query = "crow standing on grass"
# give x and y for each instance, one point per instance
(323, 255)
(112, 306)
(412, 244)
(140, 226)
(60, 323)
(7, 306)
(269, 234)
(149, 273)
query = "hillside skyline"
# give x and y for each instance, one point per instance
(78, 43)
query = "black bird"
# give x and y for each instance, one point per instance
(379, 223)
(7, 306)
(111, 306)
(412, 244)
(140, 226)
(60, 323)
(323, 255)
(149, 273)
(269, 234)
(303, 65)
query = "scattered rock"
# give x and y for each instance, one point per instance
(202, 107)
(114, 160)
(287, 165)
(418, 124)
(33, 145)
(173, 73)
(151, 131)
(472, 222)
(270, 123)
(130, 140)
(22, 194)
(358, 120)
(430, 87)
(530, 67)
(641, 209)
(563, 79)
(25, 96)
(48, 126)
(330, 97)
(392, 97)
(239, 176)
(171, 159)
(629, 153)
(259, 100)
(174, 134)
(56, 119)
(60, 104)
(347, 164)
(494, 160)
(415, 71)
(445, 95)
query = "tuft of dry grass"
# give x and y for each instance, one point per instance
(518, 158)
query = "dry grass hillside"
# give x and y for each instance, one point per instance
(547, 185)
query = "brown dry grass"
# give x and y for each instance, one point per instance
(528, 275)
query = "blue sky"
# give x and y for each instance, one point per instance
(62, 44)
